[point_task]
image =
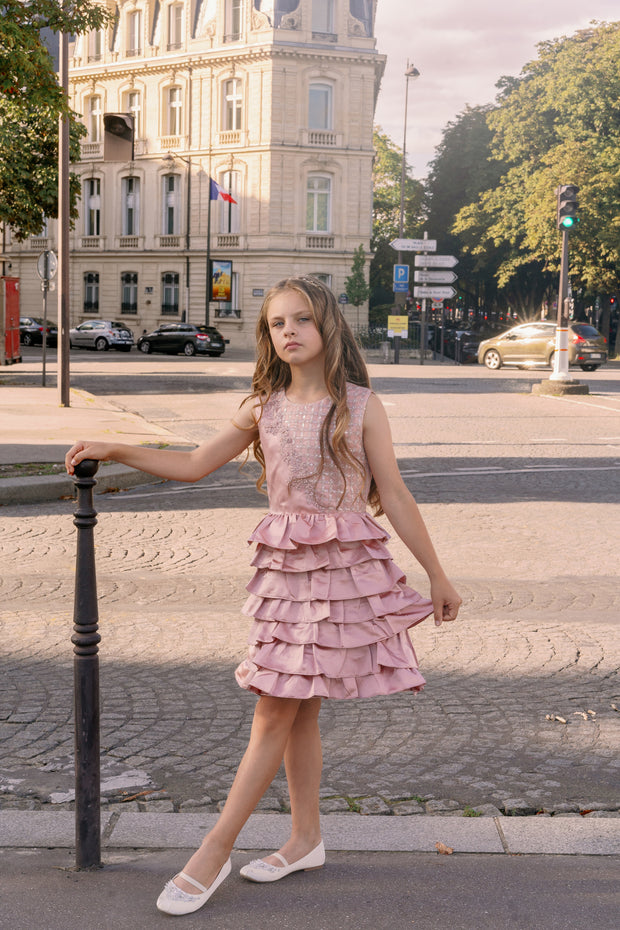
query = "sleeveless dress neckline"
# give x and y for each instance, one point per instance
(331, 610)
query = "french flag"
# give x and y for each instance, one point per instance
(217, 191)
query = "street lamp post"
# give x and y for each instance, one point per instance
(400, 297)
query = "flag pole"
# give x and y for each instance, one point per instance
(208, 287)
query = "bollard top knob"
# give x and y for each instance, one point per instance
(87, 468)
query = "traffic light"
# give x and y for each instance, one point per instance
(567, 205)
(117, 137)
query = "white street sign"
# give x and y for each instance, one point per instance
(435, 277)
(437, 293)
(414, 245)
(436, 261)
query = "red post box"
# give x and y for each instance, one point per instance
(9, 321)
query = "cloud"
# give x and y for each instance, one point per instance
(461, 50)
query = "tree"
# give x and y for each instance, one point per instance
(31, 102)
(386, 175)
(355, 285)
(558, 123)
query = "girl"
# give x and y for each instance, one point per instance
(331, 609)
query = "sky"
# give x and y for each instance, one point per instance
(461, 48)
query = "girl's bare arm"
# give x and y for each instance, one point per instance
(174, 465)
(402, 510)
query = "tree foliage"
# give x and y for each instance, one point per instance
(558, 123)
(31, 102)
(356, 288)
(387, 175)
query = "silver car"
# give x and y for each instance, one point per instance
(101, 335)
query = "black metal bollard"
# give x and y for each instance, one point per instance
(85, 641)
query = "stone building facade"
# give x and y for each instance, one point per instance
(273, 100)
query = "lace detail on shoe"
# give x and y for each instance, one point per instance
(175, 893)
(267, 866)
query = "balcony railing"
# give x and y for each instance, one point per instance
(92, 242)
(319, 242)
(322, 137)
(233, 137)
(228, 241)
(37, 243)
(92, 150)
(169, 242)
(129, 242)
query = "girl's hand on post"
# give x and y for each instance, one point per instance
(446, 601)
(86, 450)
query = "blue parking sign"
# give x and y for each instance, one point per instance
(401, 278)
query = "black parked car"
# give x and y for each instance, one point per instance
(183, 337)
(31, 331)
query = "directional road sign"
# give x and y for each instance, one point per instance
(437, 293)
(414, 245)
(435, 261)
(434, 277)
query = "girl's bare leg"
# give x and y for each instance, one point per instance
(303, 760)
(271, 728)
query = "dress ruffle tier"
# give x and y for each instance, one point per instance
(331, 610)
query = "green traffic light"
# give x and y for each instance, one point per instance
(567, 222)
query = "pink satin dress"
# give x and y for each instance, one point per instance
(331, 609)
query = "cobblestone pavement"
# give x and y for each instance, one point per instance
(520, 493)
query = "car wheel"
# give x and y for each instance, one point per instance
(551, 361)
(492, 359)
(27, 339)
(101, 344)
(189, 349)
(588, 367)
(145, 347)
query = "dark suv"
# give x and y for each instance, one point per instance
(31, 331)
(183, 337)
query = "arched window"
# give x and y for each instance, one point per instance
(134, 32)
(175, 25)
(130, 192)
(174, 111)
(171, 219)
(133, 105)
(95, 119)
(92, 207)
(232, 109)
(230, 182)
(320, 106)
(318, 203)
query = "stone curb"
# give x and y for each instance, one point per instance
(341, 832)
(41, 488)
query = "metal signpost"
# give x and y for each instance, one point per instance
(434, 285)
(47, 265)
(413, 245)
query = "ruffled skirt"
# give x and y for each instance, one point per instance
(331, 610)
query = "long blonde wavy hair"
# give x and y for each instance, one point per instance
(343, 362)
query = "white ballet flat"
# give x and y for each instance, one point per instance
(173, 900)
(260, 871)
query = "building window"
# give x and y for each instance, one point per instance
(95, 45)
(174, 111)
(320, 106)
(175, 25)
(169, 293)
(92, 204)
(233, 100)
(323, 16)
(134, 33)
(232, 22)
(362, 10)
(229, 212)
(129, 292)
(130, 192)
(134, 106)
(91, 292)
(171, 218)
(318, 204)
(95, 116)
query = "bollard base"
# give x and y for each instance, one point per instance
(558, 388)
